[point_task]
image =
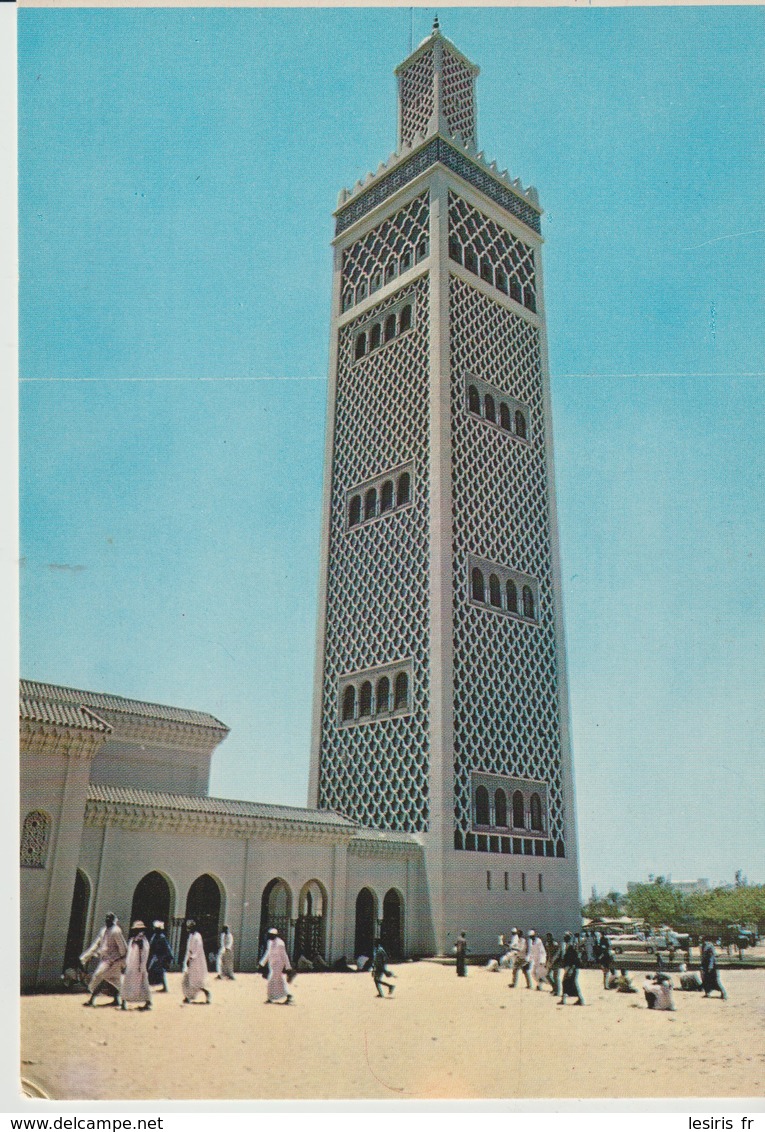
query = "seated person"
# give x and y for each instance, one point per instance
(623, 983)
(658, 992)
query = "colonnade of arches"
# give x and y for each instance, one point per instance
(301, 922)
(493, 811)
(384, 919)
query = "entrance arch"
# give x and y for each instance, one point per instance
(78, 919)
(203, 905)
(366, 923)
(310, 930)
(275, 911)
(152, 900)
(392, 929)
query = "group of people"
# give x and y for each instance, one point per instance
(550, 962)
(126, 970)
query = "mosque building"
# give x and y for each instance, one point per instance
(441, 783)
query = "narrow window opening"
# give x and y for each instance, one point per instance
(488, 879)
(365, 699)
(528, 602)
(540, 882)
(406, 261)
(500, 808)
(495, 593)
(523, 881)
(504, 417)
(512, 596)
(474, 401)
(477, 585)
(349, 703)
(386, 496)
(520, 424)
(354, 511)
(390, 327)
(370, 504)
(390, 271)
(401, 691)
(500, 280)
(403, 489)
(489, 408)
(361, 345)
(471, 260)
(507, 882)
(422, 250)
(518, 815)
(405, 319)
(383, 695)
(515, 290)
(482, 806)
(487, 274)
(361, 291)
(375, 336)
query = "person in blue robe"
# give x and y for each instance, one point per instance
(161, 956)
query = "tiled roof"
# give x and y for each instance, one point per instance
(55, 694)
(226, 807)
(68, 715)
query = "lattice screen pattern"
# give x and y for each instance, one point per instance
(416, 95)
(385, 252)
(506, 716)
(458, 98)
(377, 596)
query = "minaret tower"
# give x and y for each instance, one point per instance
(441, 704)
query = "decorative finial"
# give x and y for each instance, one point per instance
(436, 25)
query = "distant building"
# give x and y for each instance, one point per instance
(686, 887)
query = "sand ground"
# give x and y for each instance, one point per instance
(438, 1037)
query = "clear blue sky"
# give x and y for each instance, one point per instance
(178, 170)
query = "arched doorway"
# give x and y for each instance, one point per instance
(78, 919)
(203, 906)
(310, 926)
(152, 900)
(392, 929)
(365, 923)
(275, 911)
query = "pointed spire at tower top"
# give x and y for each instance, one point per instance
(436, 91)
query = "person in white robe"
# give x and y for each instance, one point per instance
(135, 981)
(110, 948)
(225, 960)
(195, 966)
(277, 961)
(537, 959)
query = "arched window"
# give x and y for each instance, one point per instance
(471, 260)
(520, 424)
(390, 327)
(474, 401)
(500, 807)
(401, 691)
(455, 249)
(370, 503)
(386, 496)
(511, 591)
(482, 806)
(365, 699)
(487, 273)
(354, 511)
(383, 695)
(536, 813)
(495, 593)
(405, 319)
(403, 488)
(349, 703)
(422, 250)
(529, 297)
(477, 585)
(375, 336)
(361, 345)
(35, 835)
(500, 280)
(390, 271)
(519, 820)
(405, 262)
(489, 409)
(376, 283)
(504, 417)
(528, 602)
(347, 300)
(515, 290)
(361, 291)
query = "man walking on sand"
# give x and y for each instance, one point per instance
(570, 971)
(521, 961)
(135, 981)
(110, 949)
(710, 977)
(194, 967)
(278, 962)
(460, 950)
(380, 968)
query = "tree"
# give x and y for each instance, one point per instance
(657, 903)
